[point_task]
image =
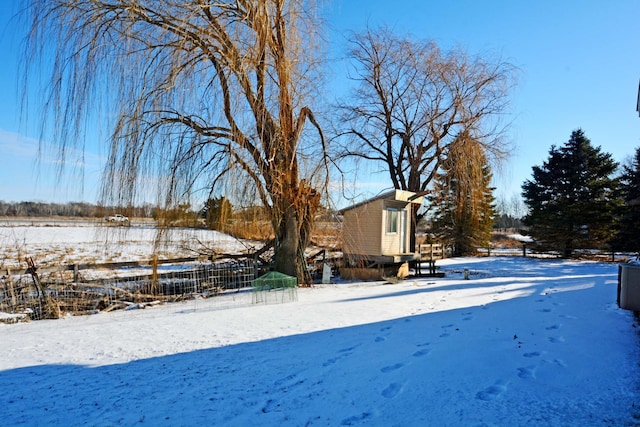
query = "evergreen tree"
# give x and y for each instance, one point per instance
(217, 212)
(572, 197)
(463, 198)
(628, 237)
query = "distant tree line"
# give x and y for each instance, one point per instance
(72, 209)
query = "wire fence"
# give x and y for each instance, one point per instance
(78, 289)
(34, 294)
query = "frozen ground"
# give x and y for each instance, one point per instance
(525, 342)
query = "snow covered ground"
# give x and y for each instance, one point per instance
(52, 243)
(524, 342)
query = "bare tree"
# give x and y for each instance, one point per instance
(413, 100)
(194, 93)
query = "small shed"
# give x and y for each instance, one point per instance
(378, 230)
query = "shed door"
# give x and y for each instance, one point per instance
(403, 231)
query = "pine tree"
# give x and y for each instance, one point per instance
(217, 212)
(572, 197)
(628, 237)
(463, 199)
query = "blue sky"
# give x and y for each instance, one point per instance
(579, 67)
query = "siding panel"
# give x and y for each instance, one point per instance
(361, 233)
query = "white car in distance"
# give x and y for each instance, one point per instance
(117, 218)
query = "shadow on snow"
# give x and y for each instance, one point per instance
(329, 377)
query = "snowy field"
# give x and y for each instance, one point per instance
(525, 342)
(53, 243)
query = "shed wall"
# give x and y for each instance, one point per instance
(361, 231)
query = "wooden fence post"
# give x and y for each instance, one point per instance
(11, 289)
(154, 275)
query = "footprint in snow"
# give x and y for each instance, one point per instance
(330, 361)
(532, 354)
(284, 380)
(333, 360)
(380, 339)
(556, 340)
(560, 363)
(422, 352)
(527, 373)
(356, 419)
(446, 333)
(270, 406)
(552, 327)
(492, 392)
(345, 352)
(392, 367)
(392, 390)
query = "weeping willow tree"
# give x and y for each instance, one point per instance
(462, 200)
(193, 95)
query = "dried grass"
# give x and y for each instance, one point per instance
(250, 230)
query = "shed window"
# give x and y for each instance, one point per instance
(392, 221)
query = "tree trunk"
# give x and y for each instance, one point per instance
(414, 228)
(287, 251)
(293, 231)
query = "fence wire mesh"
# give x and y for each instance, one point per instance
(34, 295)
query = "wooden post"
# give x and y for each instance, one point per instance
(52, 310)
(75, 273)
(154, 275)
(11, 289)
(524, 250)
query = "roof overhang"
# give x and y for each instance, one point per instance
(394, 196)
